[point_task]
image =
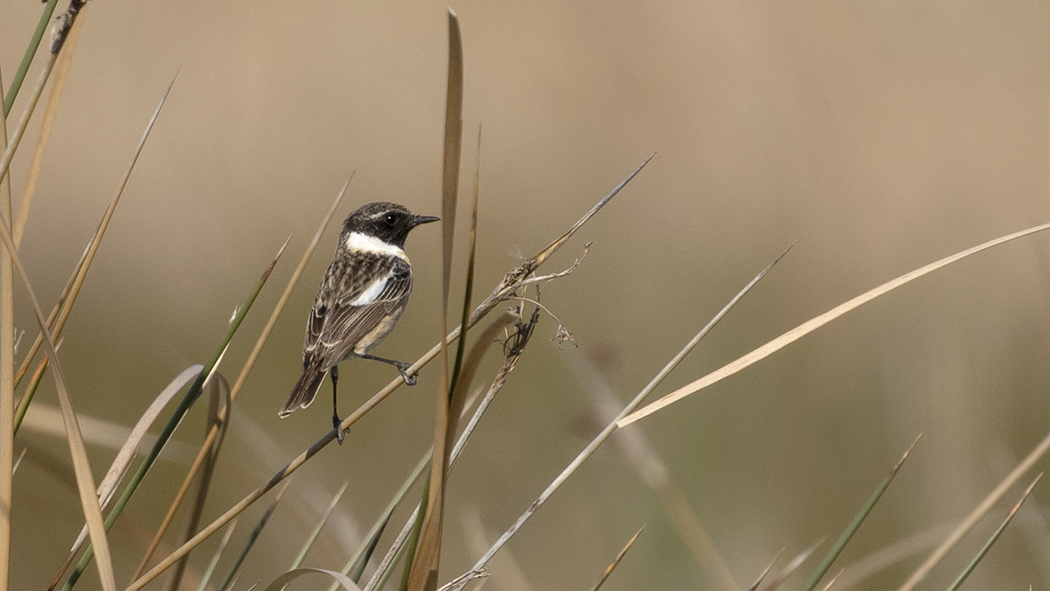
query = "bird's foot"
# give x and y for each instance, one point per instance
(340, 433)
(410, 380)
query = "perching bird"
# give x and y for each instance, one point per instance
(362, 295)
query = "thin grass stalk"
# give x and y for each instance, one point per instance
(854, 525)
(176, 418)
(653, 471)
(27, 57)
(227, 581)
(78, 452)
(7, 379)
(791, 567)
(815, 323)
(995, 536)
(978, 512)
(209, 439)
(28, 359)
(34, 383)
(80, 273)
(20, 129)
(764, 573)
(214, 562)
(320, 526)
(510, 283)
(514, 348)
(65, 60)
(215, 409)
(608, 430)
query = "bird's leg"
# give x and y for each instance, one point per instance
(336, 421)
(410, 380)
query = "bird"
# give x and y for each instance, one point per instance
(360, 299)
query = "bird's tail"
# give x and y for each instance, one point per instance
(305, 390)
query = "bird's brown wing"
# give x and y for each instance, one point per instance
(345, 313)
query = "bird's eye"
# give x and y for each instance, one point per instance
(390, 219)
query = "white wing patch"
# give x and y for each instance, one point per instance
(369, 295)
(364, 243)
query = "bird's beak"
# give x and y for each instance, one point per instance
(424, 219)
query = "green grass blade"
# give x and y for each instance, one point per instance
(27, 58)
(232, 572)
(176, 418)
(206, 577)
(854, 525)
(998, 532)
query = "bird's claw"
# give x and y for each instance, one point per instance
(340, 433)
(410, 380)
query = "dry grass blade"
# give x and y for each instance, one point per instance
(608, 430)
(320, 525)
(982, 508)
(423, 575)
(792, 566)
(209, 439)
(998, 532)
(7, 378)
(206, 577)
(832, 581)
(234, 570)
(127, 452)
(815, 323)
(78, 452)
(769, 567)
(653, 471)
(616, 561)
(513, 280)
(341, 579)
(218, 408)
(80, 272)
(519, 340)
(65, 59)
(68, 21)
(499, 294)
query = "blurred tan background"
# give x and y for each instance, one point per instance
(877, 137)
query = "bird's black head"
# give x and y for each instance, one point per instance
(388, 222)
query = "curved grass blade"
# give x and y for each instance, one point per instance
(236, 566)
(601, 437)
(176, 418)
(340, 579)
(979, 511)
(616, 561)
(854, 525)
(502, 292)
(998, 532)
(119, 467)
(815, 323)
(27, 57)
(218, 407)
(209, 439)
(320, 525)
(423, 573)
